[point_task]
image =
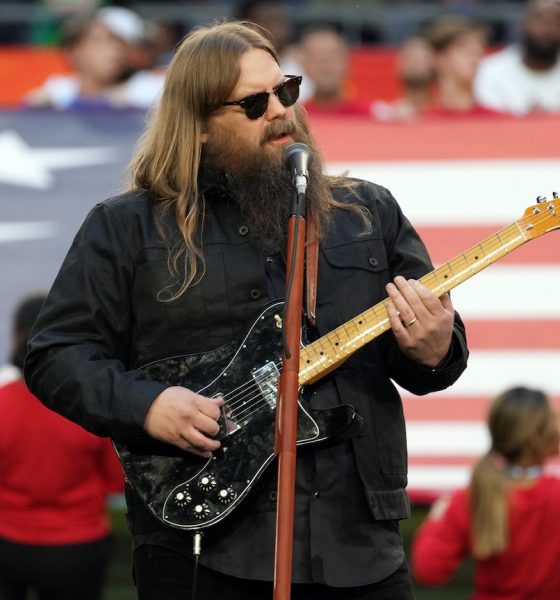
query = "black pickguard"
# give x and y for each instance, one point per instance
(192, 493)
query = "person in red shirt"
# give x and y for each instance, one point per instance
(324, 56)
(507, 518)
(54, 485)
(459, 44)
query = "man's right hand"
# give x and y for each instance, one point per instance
(181, 417)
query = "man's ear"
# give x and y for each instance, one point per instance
(204, 133)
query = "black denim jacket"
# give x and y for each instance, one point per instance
(105, 317)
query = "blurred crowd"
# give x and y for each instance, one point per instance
(449, 66)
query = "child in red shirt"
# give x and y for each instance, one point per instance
(54, 484)
(508, 516)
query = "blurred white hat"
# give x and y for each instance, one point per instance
(122, 22)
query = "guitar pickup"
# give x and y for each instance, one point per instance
(266, 378)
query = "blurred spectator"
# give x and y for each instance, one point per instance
(106, 51)
(508, 517)
(164, 37)
(16, 33)
(275, 18)
(525, 78)
(325, 60)
(416, 74)
(56, 479)
(459, 44)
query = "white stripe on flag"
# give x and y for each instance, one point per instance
(511, 291)
(490, 372)
(447, 438)
(30, 230)
(437, 477)
(471, 192)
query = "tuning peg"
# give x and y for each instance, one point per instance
(541, 199)
(555, 195)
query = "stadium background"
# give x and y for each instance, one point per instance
(458, 180)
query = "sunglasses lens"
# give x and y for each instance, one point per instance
(256, 106)
(288, 92)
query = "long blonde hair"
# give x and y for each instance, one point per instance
(201, 76)
(516, 420)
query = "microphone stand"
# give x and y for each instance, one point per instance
(287, 404)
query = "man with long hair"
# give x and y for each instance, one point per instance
(180, 266)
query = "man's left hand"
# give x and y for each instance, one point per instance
(422, 322)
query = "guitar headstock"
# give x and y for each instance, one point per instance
(541, 217)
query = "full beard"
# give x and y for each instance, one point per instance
(261, 185)
(542, 51)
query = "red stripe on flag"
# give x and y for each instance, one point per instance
(432, 460)
(445, 243)
(351, 140)
(513, 334)
(441, 408)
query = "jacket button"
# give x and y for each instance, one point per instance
(272, 495)
(243, 230)
(255, 294)
(373, 261)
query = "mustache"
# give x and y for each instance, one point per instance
(277, 128)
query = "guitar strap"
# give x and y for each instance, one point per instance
(311, 268)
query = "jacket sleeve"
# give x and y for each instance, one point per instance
(407, 256)
(442, 542)
(80, 345)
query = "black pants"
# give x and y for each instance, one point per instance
(162, 573)
(72, 572)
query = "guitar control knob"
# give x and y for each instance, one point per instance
(201, 511)
(226, 495)
(182, 499)
(207, 483)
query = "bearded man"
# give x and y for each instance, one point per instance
(181, 265)
(524, 78)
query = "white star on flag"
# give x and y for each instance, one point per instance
(24, 166)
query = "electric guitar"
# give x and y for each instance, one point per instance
(192, 493)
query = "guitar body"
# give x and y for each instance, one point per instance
(191, 493)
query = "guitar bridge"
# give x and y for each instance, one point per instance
(266, 378)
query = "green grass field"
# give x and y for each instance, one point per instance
(120, 586)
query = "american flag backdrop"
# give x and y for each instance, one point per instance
(459, 181)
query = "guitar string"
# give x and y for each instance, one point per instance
(242, 395)
(243, 388)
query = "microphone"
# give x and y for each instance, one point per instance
(297, 158)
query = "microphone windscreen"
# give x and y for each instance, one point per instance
(297, 156)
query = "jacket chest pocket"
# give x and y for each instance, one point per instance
(183, 324)
(352, 278)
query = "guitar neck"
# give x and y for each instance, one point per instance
(326, 353)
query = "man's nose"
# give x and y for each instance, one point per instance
(275, 108)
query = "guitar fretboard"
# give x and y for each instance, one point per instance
(329, 351)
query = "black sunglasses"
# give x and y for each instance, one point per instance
(256, 105)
